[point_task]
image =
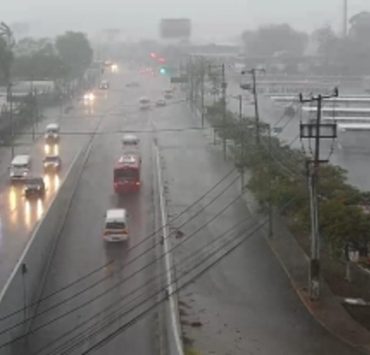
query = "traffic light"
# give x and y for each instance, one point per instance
(163, 70)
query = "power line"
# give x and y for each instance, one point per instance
(178, 288)
(112, 287)
(200, 251)
(224, 178)
(161, 290)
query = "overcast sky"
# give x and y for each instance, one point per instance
(139, 18)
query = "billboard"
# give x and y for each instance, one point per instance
(175, 28)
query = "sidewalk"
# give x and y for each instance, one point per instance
(329, 311)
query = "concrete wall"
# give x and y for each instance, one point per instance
(25, 284)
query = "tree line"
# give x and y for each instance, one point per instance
(333, 54)
(278, 175)
(65, 57)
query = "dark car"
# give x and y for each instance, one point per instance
(52, 163)
(34, 187)
(132, 84)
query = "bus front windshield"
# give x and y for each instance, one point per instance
(128, 174)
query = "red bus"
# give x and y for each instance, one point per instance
(126, 174)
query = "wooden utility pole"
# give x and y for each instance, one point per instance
(223, 101)
(316, 131)
(253, 72)
(223, 86)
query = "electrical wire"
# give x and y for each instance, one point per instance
(222, 248)
(106, 291)
(148, 237)
(178, 288)
(132, 292)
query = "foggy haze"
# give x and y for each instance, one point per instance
(211, 20)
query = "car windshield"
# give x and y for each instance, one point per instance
(34, 183)
(20, 166)
(51, 159)
(130, 143)
(115, 225)
(126, 174)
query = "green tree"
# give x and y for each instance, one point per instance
(28, 46)
(6, 53)
(75, 52)
(39, 66)
(341, 223)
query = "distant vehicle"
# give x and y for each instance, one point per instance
(34, 187)
(104, 85)
(130, 141)
(89, 97)
(20, 167)
(52, 133)
(168, 94)
(115, 228)
(52, 163)
(51, 149)
(144, 103)
(126, 174)
(160, 103)
(132, 84)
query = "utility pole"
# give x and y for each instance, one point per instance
(202, 91)
(242, 143)
(10, 101)
(253, 72)
(223, 86)
(270, 207)
(223, 101)
(316, 131)
(345, 18)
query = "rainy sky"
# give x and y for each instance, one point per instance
(139, 18)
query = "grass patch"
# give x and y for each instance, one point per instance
(191, 351)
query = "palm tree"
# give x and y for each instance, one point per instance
(7, 43)
(6, 54)
(7, 34)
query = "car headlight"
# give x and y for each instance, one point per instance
(24, 173)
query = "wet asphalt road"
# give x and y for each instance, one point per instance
(245, 303)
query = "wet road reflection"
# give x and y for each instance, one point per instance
(51, 149)
(25, 211)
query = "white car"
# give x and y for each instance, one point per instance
(104, 85)
(115, 228)
(160, 103)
